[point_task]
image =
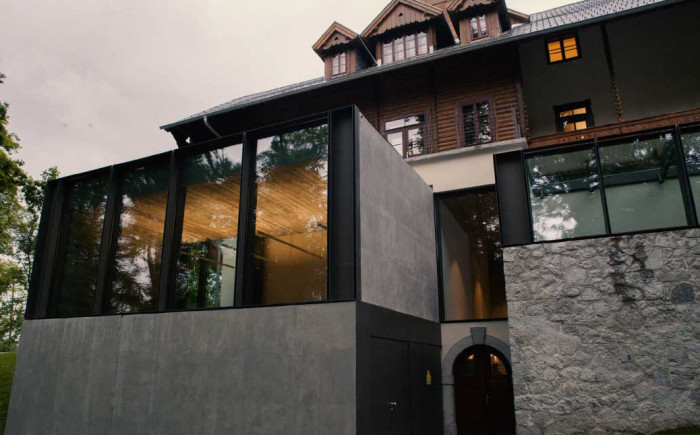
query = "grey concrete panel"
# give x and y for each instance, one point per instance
(397, 224)
(273, 370)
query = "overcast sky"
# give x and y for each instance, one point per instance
(90, 81)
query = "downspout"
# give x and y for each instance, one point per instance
(206, 122)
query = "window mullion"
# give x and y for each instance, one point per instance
(601, 183)
(107, 243)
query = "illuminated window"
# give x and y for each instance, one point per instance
(404, 47)
(407, 135)
(339, 64)
(563, 48)
(479, 27)
(574, 116)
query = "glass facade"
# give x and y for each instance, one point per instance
(471, 256)
(290, 254)
(564, 192)
(642, 187)
(80, 256)
(139, 245)
(206, 264)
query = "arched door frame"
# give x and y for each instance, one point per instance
(478, 336)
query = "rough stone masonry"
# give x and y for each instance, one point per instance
(605, 333)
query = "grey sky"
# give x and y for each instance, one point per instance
(89, 82)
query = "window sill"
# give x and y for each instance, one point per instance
(502, 146)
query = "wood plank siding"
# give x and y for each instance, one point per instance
(402, 16)
(435, 90)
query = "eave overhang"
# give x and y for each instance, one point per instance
(334, 28)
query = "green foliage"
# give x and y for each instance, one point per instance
(7, 372)
(681, 431)
(21, 199)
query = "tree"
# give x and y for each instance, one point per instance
(21, 199)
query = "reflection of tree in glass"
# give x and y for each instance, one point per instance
(691, 144)
(81, 255)
(137, 260)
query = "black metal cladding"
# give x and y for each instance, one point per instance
(514, 197)
(342, 145)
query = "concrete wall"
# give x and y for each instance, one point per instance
(604, 333)
(462, 168)
(273, 370)
(546, 86)
(656, 60)
(397, 231)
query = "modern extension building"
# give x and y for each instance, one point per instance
(476, 222)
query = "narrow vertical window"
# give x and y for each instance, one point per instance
(399, 53)
(563, 48)
(422, 43)
(206, 265)
(476, 123)
(136, 262)
(339, 64)
(80, 251)
(388, 52)
(289, 253)
(410, 46)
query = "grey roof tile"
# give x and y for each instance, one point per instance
(539, 22)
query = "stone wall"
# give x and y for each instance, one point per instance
(605, 333)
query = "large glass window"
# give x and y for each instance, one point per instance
(691, 147)
(290, 246)
(565, 197)
(81, 237)
(642, 187)
(472, 260)
(136, 263)
(206, 265)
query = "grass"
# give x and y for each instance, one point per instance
(684, 431)
(7, 371)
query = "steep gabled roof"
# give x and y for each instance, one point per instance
(461, 5)
(336, 30)
(425, 9)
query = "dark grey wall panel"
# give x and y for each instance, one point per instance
(268, 370)
(397, 231)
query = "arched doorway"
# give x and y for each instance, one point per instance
(483, 388)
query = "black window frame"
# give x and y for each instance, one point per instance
(343, 212)
(491, 118)
(404, 132)
(588, 117)
(560, 39)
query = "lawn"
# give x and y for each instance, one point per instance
(7, 370)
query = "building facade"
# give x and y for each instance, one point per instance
(476, 221)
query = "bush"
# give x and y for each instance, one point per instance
(7, 371)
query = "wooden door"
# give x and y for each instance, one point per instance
(483, 393)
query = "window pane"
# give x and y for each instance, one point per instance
(335, 65)
(422, 43)
(411, 46)
(393, 125)
(290, 256)
(387, 53)
(482, 112)
(398, 49)
(206, 265)
(482, 25)
(468, 125)
(136, 269)
(472, 261)
(570, 48)
(565, 195)
(555, 54)
(475, 28)
(80, 256)
(641, 184)
(415, 142)
(396, 140)
(691, 145)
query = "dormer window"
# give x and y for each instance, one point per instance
(404, 47)
(339, 64)
(479, 27)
